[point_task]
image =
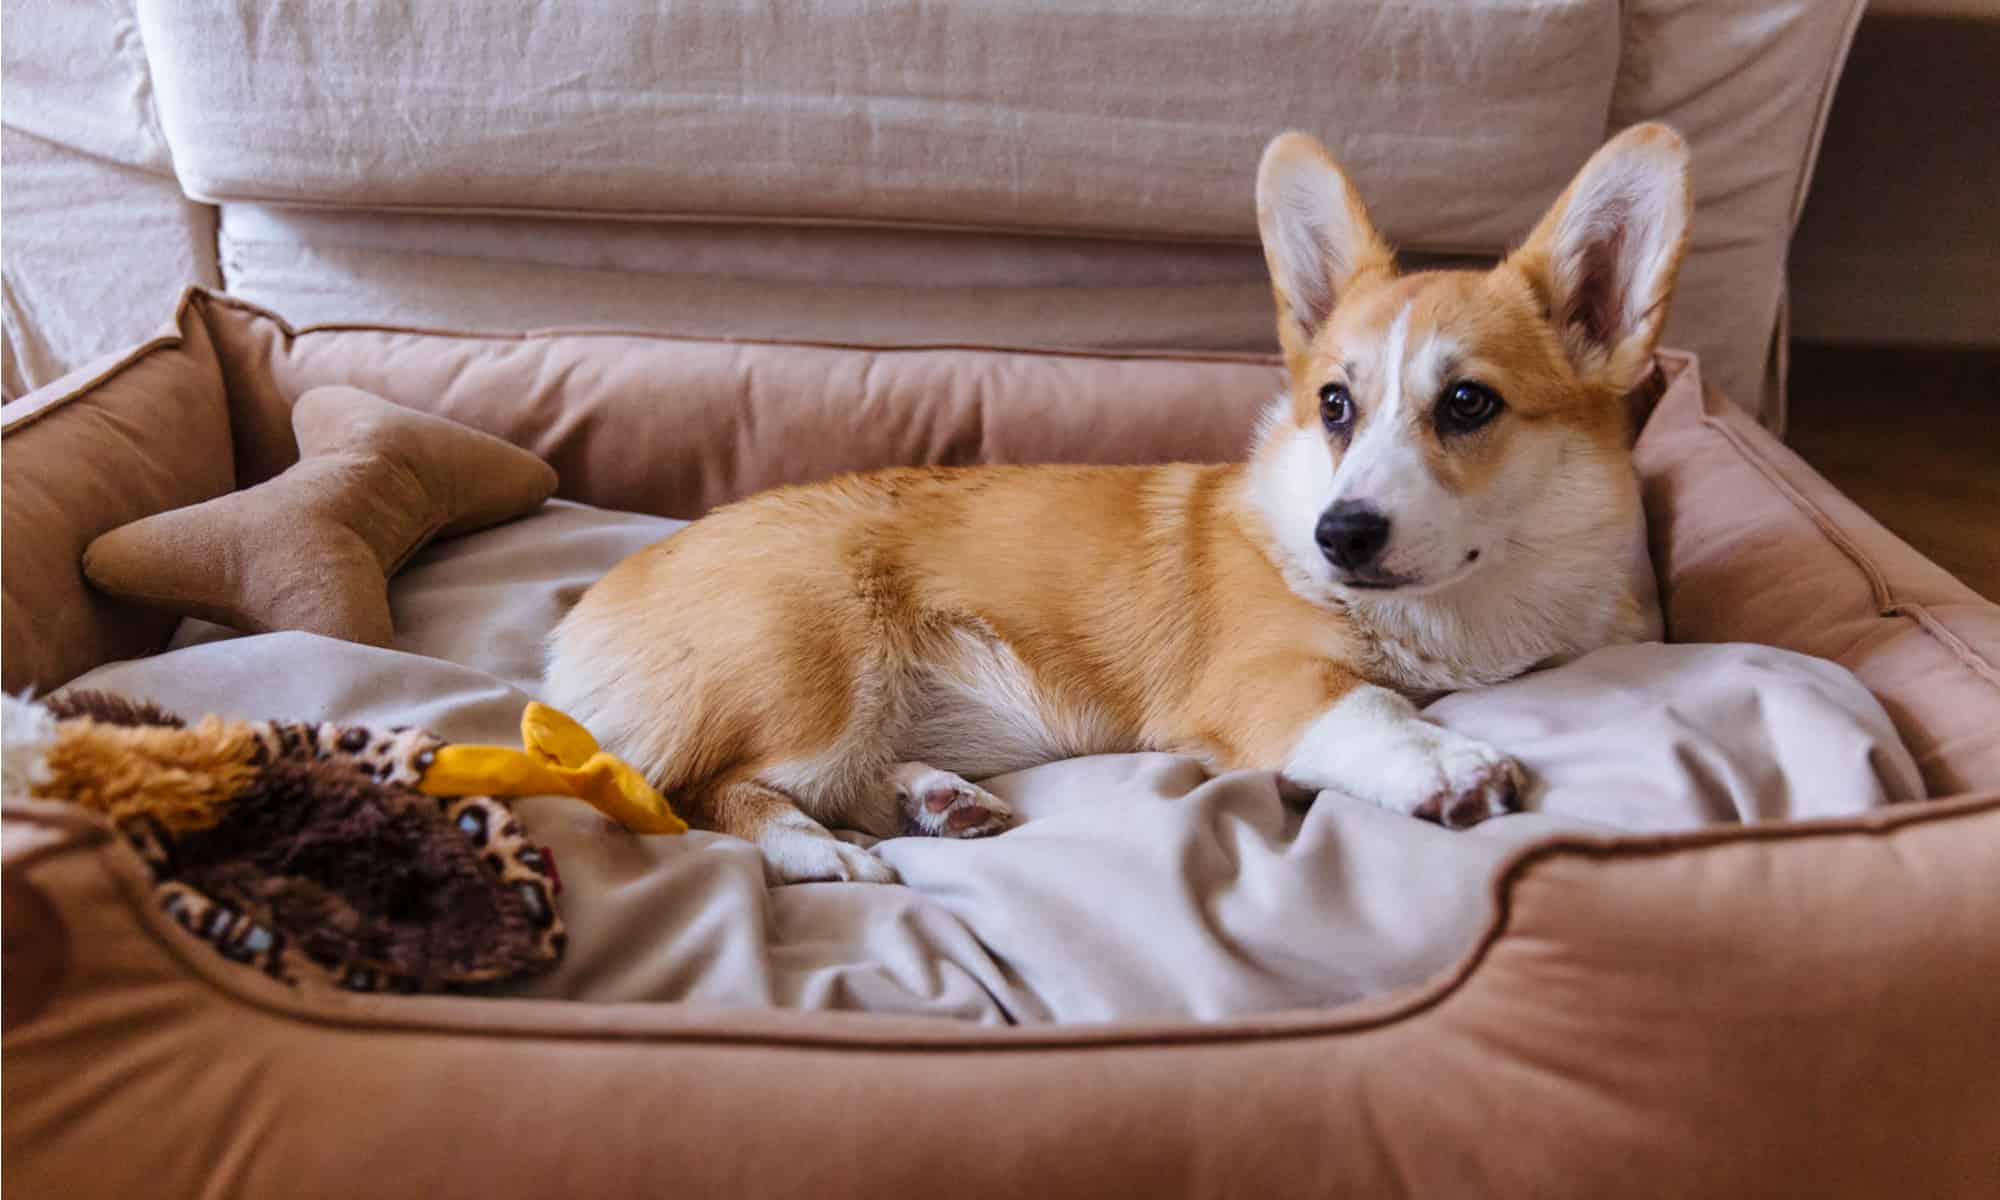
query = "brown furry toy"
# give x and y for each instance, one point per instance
(306, 851)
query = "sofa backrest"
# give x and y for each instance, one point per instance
(1071, 173)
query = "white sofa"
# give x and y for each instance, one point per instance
(1035, 172)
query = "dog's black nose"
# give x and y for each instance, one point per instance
(1351, 534)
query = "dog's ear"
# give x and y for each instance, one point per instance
(1604, 258)
(1317, 236)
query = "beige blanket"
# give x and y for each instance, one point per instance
(1136, 887)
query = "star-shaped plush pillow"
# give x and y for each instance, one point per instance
(313, 548)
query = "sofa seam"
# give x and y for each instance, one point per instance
(207, 192)
(203, 192)
(133, 49)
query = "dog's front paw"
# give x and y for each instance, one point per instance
(1374, 746)
(1474, 782)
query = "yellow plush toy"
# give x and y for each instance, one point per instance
(559, 757)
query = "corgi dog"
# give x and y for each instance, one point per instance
(1442, 497)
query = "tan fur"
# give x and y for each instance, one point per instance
(183, 778)
(860, 581)
(789, 649)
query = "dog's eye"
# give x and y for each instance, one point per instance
(1336, 407)
(1467, 406)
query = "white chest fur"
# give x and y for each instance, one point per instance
(1544, 603)
(977, 711)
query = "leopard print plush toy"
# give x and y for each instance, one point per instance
(303, 850)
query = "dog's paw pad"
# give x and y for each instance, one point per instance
(1488, 789)
(939, 804)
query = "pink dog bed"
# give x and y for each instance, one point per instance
(1803, 980)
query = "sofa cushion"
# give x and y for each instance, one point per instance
(95, 249)
(1028, 115)
(879, 286)
(100, 237)
(1460, 122)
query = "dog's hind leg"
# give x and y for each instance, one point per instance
(796, 848)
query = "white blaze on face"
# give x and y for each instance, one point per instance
(1385, 466)
(1295, 478)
